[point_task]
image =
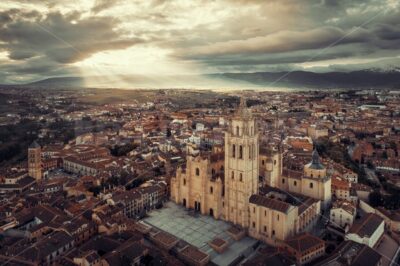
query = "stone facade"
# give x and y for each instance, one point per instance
(35, 161)
(314, 182)
(225, 184)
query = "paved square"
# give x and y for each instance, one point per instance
(198, 230)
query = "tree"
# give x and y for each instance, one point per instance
(375, 199)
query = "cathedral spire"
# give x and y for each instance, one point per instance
(243, 111)
(243, 103)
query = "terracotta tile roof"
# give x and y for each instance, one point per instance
(304, 242)
(270, 203)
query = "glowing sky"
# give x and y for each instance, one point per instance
(44, 38)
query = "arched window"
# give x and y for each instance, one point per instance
(237, 130)
(233, 175)
(311, 185)
(240, 152)
(197, 171)
(241, 177)
(233, 150)
(211, 190)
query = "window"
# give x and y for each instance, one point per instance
(311, 185)
(265, 228)
(237, 130)
(213, 171)
(197, 171)
(250, 151)
(283, 181)
(233, 150)
(277, 217)
(184, 181)
(233, 175)
(240, 152)
(295, 183)
(241, 177)
(254, 225)
(254, 209)
(211, 190)
(265, 213)
(274, 162)
(262, 162)
(273, 232)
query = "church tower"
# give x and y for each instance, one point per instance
(315, 182)
(35, 161)
(241, 165)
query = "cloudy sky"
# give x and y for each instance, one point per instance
(47, 38)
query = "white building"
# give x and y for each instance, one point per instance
(343, 214)
(368, 230)
(200, 127)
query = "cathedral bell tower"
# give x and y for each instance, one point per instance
(241, 165)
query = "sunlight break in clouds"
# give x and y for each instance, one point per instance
(52, 38)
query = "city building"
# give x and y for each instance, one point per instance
(226, 185)
(35, 161)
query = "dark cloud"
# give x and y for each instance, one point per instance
(33, 69)
(59, 38)
(219, 35)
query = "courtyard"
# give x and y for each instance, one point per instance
(198, 230)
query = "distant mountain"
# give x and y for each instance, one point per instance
(362, 79)
(355, 79)
(59, 82)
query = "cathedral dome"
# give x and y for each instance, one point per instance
(315, 162)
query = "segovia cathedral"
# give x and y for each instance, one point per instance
(226, 184)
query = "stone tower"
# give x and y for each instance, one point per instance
(35, 161)
(316, 183)
(241, 165)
